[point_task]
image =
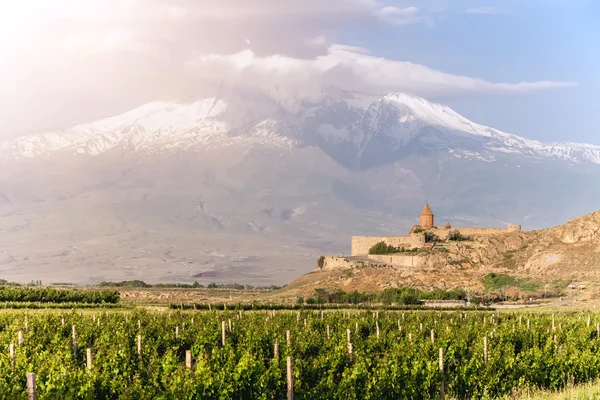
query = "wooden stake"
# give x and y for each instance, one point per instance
(21, 341)
(485, 350)
(432, 336)
(62, 321)
(349, 344)
(31, 387)
(13, 356)
(177, 332)
(328, 336)
(74, 336)
(139, 345)
(188, 359)
(290, 379)
(442, 388)
(288, 337)
(88, 357)
(223, 333)
(26, 324)
(276, 350)
(229, 323)
(377, 326)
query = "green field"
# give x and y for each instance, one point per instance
(524, 352)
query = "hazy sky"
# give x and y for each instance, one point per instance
(528, 67)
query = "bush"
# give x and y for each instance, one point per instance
(418, 230)
(455, 235)
(321, 262)
(431, 237)
(383, 248)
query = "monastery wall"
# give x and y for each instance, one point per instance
(487, 231)
(362, 244)
(396, 260)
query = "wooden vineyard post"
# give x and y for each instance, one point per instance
(442, 389)
(177, 332)
(229, 323)
(298, 317)
(21, 341)
(377, 326)
(485, 350)
(26, 324)
(223, 333)
(288, 338)
(74, 337)
(328, 335)
(356, 327)
(11, 352)
(305, 322)
(88, 356)
(290, 379)
(399, 326)
(527, 323)
(410, 337)
(349, 344)
(321, 315)
(139, 345)
(276, 350)
(421, 326)
(140, 324)
(31, 387)
(62, 321)
(188, 359)
(597, 330)
(432, 337)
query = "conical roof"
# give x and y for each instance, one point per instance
(427, 210)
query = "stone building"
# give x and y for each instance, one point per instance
(416, 238)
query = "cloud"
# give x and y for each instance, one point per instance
(350, 68)
(68, 61)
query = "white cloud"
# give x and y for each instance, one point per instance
(69, 61)
(351, 68)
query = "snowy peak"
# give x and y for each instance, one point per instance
(355, 129)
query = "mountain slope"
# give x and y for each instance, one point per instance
(254, 186)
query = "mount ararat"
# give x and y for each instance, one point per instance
(253, 185)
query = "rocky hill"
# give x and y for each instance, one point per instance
(566, 253)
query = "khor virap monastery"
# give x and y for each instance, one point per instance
(416, 239)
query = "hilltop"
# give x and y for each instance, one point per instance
(557, 256)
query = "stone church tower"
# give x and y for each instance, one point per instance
(427, 217)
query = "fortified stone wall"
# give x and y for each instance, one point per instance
(396, 260)
(487, 231)
(362, 244)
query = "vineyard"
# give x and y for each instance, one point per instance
(234, 354)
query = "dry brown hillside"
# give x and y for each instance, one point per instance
(569, 252)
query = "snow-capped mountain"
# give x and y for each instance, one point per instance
(252, 186)
(359, 131)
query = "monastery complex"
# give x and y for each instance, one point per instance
(416, 239)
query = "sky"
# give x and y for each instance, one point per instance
(528, 67)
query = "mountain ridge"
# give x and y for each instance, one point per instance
(352, 121)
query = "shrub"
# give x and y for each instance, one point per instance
(418, 230)
(431, 237)
(455, 235)
(383, 248)
(321, 262)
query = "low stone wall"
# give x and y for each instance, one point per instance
(362, 244)
(481, 231)
(398, 260)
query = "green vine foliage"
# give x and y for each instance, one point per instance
(399, 364)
